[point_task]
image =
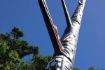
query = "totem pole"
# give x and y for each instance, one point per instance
(64, 48)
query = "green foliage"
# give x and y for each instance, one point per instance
(8, 58)
(13, 40)
(22, 66)
(40, 62)
(16, 33)
(12, 49)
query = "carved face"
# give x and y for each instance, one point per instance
(59, 63)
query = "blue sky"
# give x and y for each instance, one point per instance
(26, 15)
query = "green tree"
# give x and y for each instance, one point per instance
(40, 62)
(8, 58)
(16, 33)
(13, 49)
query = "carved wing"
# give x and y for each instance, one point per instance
(51, 27)
(67, 16)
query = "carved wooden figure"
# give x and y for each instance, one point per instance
(64, 48)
